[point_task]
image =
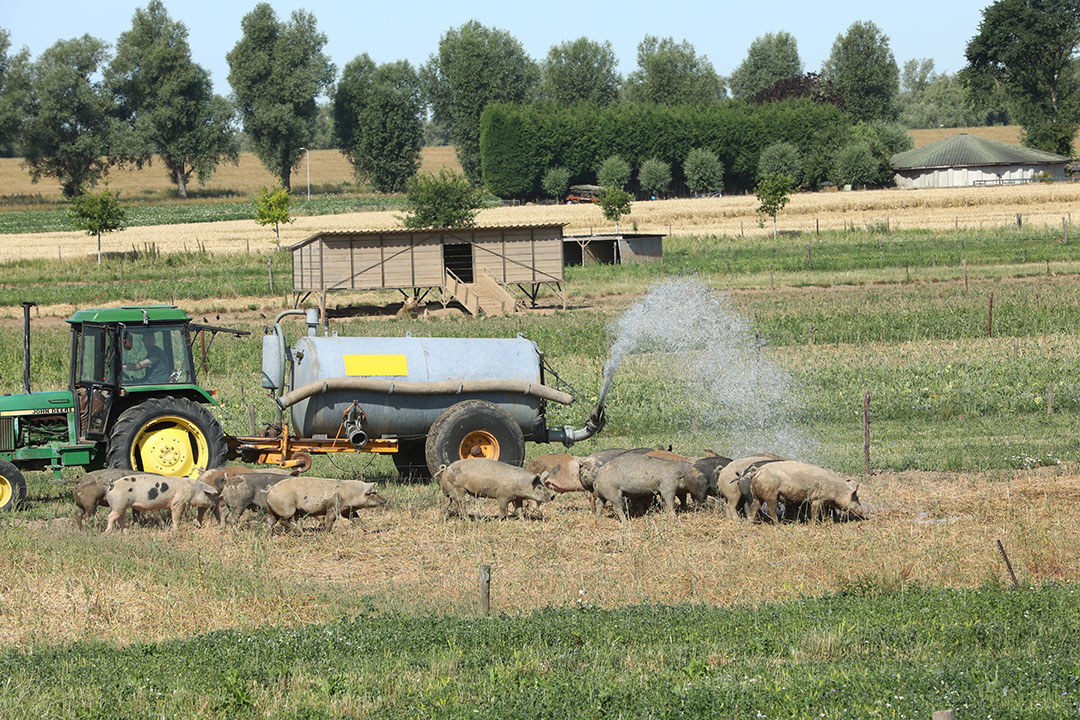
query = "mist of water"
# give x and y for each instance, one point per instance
(711, 363)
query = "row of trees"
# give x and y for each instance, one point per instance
(76, 111)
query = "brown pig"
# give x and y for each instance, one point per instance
(794, 483)
(247, 491)
(318, 496)
(734, 487)
(145, 491)
(217, 477)
(563, 471)
(636, 476)
(90, 490)
(484, 478)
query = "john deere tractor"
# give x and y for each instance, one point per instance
(132, 402)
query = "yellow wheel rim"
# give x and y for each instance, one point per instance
(170, 445)
(6, 491)
(479, 444)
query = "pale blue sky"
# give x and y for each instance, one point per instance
(390, 31)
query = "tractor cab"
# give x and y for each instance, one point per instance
(119, 355)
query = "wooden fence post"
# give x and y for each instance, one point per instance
(270, 271)
(809, 258)
(485, 590)
(1050, 399)
(251, 418)
(1019, 221)
(1008, 564)
(944, 715)
(965, 276)
(866, 431)
(990, 317)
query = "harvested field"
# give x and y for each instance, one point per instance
(933, 209)
(930, 529)
(328, 167)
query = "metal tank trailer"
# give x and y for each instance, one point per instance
(433, 400)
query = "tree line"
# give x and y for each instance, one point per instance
(78, 109)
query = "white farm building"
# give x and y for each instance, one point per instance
(964, 160)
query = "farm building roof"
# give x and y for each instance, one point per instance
(965, 150)
(390, 232)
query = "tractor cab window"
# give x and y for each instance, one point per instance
(97, 355)
(156, 355)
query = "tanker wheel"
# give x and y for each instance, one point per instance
(410, 461)
(474, 429)
(12, 486)
(168, 436)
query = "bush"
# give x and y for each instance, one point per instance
(614, 203)
(654, 177)
(780, 158)
(272, 207)
(446, 201)
(704, 171)
(856, 166)
(556, 182)
(613, 173)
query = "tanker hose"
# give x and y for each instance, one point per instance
(442, 387)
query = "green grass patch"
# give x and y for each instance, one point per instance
(873, 650)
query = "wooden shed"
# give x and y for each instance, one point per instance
(620, 249)
(473, 265)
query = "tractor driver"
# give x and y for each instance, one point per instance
(156, 363)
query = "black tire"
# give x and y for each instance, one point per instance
(167, 457)
(458, 422)
(12, 487)
(411, 462)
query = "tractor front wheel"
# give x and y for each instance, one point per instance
(168, 436)
(12, 486)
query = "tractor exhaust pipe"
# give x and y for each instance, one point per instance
(26, 344)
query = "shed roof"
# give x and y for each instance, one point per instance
(963, 150)
(391, 232)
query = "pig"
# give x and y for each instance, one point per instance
(734, 488)
(484, 478)
(794, 483)
(631, 475)
(220, 475)
(318, 496)
(145, 491)
(248, 491)
(90, 490)
(563, 471)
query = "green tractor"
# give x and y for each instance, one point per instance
(132, 402)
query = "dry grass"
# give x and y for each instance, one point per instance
(933, 209)
(928, 529)
(328, 167)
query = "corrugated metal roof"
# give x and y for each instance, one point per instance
(965, 150)
(421, 231)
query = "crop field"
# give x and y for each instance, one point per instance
(905, 613)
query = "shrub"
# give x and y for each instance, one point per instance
(556, 182)
(654, 176)
(856, 165)
(613, 173)
(780, 158)
(704, 171)
(448, 200)
(272, 206)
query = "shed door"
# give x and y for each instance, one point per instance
(458, 259)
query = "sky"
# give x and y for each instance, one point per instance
(387, 31)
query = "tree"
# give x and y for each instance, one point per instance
(770, 58)
(613, 172)
(273, 206)
(654, 177)
(14, 93)
(98, 213)
(863, 69)
(673, 74)
(780, 158)
(581, 70)
(704, 172)
(68, 134)
(856, 165)
(614, 203)
(277, 70)
(167, 101)
(556, 182)
(810, 86)
(377, 113)
(475, 66)
(1029, 47)
(446, 201)
(773, 193)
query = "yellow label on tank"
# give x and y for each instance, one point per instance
(376, 366)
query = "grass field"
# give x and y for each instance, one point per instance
(893, 617)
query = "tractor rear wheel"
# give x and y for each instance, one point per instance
(12, 486)
(169, 436)
(474, 429)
